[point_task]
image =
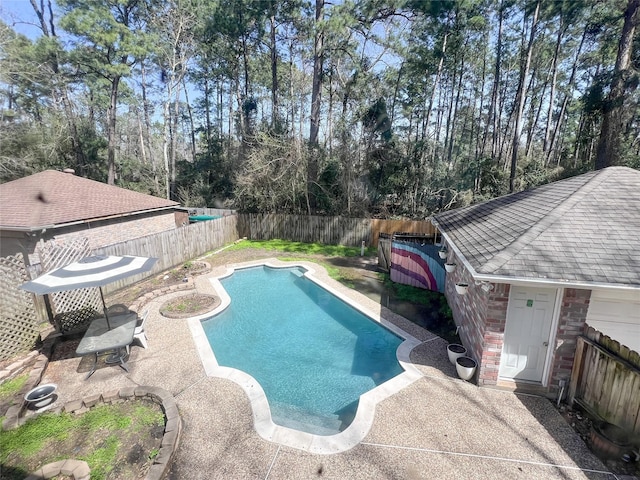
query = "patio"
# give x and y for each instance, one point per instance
(437, 426)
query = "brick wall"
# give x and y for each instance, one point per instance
(573, 315)
(480, 316)
(495, 321)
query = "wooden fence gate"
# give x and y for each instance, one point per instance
(606, 380)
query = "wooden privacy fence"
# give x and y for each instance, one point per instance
(378, 226)
(606, 380)
(327, 230)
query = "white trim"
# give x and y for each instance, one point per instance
(555, 320)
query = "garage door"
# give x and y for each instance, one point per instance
(616, 314)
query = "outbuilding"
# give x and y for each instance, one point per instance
(540, 265)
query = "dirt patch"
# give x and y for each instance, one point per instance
(581, 423)
(190, 305)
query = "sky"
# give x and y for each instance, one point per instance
(20, 15)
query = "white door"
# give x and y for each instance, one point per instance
(527, 332)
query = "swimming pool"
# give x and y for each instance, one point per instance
(331, 355)
(312, 363)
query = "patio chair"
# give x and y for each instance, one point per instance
(139, 333)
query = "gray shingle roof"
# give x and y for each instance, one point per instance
(582, 229)
(51, 198)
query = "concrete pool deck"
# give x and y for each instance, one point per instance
(435, 427)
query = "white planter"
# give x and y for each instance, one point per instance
(442, 253)
(449, 267)
(454, 351)
(462, 288)
(466, 367)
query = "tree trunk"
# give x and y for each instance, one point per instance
(520, 98)
(192, 127)
(534, 117)
(565, 101)
(316, 94)
(436, 81)
(554, 76)
(493, 115)
(608, 151)
(274, 68)
(147, 125)
(455, 108)
(111, 130)
(174, 140)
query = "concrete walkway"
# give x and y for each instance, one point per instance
(438, 427)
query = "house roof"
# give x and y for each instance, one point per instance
(585, 229)
(52, 198)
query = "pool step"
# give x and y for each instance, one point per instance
(293, 417)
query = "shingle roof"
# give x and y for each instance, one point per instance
(51, 198)
(582, 229)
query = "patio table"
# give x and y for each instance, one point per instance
(100, 339)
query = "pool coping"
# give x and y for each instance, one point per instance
(263, 423)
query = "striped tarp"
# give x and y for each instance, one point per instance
(417, 265)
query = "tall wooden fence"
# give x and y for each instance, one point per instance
(606, 380)
(378, 226)
(328, 230)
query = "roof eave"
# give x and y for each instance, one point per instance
(485, 277)
(87, 220)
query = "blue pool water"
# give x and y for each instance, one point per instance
(312, 353)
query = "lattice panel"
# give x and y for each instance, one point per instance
(74, 309)
(18, 318)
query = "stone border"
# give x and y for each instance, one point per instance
(159, 292)
(172, 427)
(188, 285)
(76, 469)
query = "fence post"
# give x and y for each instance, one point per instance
(576, 372)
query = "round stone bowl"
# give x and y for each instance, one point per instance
(40, 396)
